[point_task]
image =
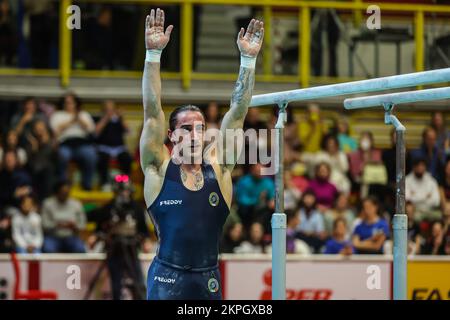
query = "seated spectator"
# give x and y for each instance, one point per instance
(250, 189)
(232, 238)
(366, 154)
(23, 121)
(73, 129)
(323, 189)
(212, 114)
(311, 130)
(422, 190)
(340, 209)
(27, 227)
(430, 152)
(294, 245)
(43, 155)
(435, 244)
(110, 131)
(255, 242)
(6, 243)
(336, 159)
(369, 236)
(414, 237)
(62, 219)
(347, 144)
(14, 181)
(12, 143)
(442, 133)
(292, 194)
(311, 227)
(339, 243)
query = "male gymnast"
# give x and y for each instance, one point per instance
(189, 200)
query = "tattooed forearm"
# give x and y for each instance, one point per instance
(151, 90)
(234, 118)
(242, 94)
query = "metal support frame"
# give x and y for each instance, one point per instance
(400, 220)
(354, 87)
(278, 220)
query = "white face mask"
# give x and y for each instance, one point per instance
(365, 144)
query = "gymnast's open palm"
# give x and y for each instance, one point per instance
(155, 37)
(250, 43)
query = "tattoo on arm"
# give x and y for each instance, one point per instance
(152, 137)
(242, 94)
(234, 118)
(151, 90)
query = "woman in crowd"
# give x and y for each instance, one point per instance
(340, 210)
(43, 155)
(369, 236)
(311, 227)
(73, 129)
(11, 143)
(339, 242)
(324, 190)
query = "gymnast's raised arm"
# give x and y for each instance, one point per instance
(249, 43)
(152, 149)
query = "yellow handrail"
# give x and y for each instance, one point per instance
(267, 53)
(186, 74)
(186, 44)
(419, 39)
(304, 59)
(65, 47)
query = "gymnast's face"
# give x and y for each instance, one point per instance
(189, 134)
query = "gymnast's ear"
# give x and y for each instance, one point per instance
(170, 135)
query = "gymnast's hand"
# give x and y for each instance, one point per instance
(250, 43)
(155, 38)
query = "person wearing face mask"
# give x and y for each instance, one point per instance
(366, 154)
(423, 191)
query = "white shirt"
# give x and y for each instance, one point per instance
(27, 230)
(424, 193)
(54, 212)
(75, 130)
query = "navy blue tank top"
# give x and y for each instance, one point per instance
(189, 223)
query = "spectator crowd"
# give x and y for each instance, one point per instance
(339, 192)
(37, 151)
